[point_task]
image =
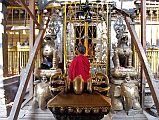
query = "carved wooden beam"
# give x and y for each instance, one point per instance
(146, 67)
(25, 75)
(143, 42)
(31, 44)
(22, 3)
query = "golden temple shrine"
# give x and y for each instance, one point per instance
(79, 60)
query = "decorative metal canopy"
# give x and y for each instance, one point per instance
(43, 3)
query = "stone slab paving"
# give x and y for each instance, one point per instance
(150, 117)
(3, 109)
(123, 116)
(27, 113)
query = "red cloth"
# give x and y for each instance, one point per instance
(80, 66)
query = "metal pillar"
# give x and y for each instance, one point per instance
(31, 44)
(64, 37)
(86, 38)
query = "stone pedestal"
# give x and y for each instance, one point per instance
(132, 112)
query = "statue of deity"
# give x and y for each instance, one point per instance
(124, 88)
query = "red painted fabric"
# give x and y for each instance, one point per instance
(80, 66)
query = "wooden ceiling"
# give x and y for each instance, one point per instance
(15, 2)
(10, 2)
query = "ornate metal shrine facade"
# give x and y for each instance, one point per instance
(83, 24)
(87, 24)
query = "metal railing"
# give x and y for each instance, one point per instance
(153, 59)
(18, 58)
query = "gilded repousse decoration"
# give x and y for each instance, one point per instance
(124, 88)
(76, 99)
(131, 95)
(79, 100)
(73, 99)
(85, 104)
(42, 92)
(89, 86)
(78, 85)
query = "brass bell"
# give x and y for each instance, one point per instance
(53, 109)
(70, 110)
(62, 109)
(78, 110)
(87, 110)
(96, 110)
(104, 109)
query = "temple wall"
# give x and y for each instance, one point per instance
(1, 33)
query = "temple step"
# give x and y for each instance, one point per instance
(35, 114)
(122, 115)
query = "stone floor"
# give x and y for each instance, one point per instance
(27, 113)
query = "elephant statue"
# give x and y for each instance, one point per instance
(42, 93)
(130, 95)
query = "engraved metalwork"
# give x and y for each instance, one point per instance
(72, 99)
(130, 94)
(49, 72)
(84, 104)
(89, 85)
(119, 27)
(42, 93)
(78, 85)
(96, 110)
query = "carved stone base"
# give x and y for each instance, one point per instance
(120, 81)
(47, 73)
(134, 112)
(123, 71)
